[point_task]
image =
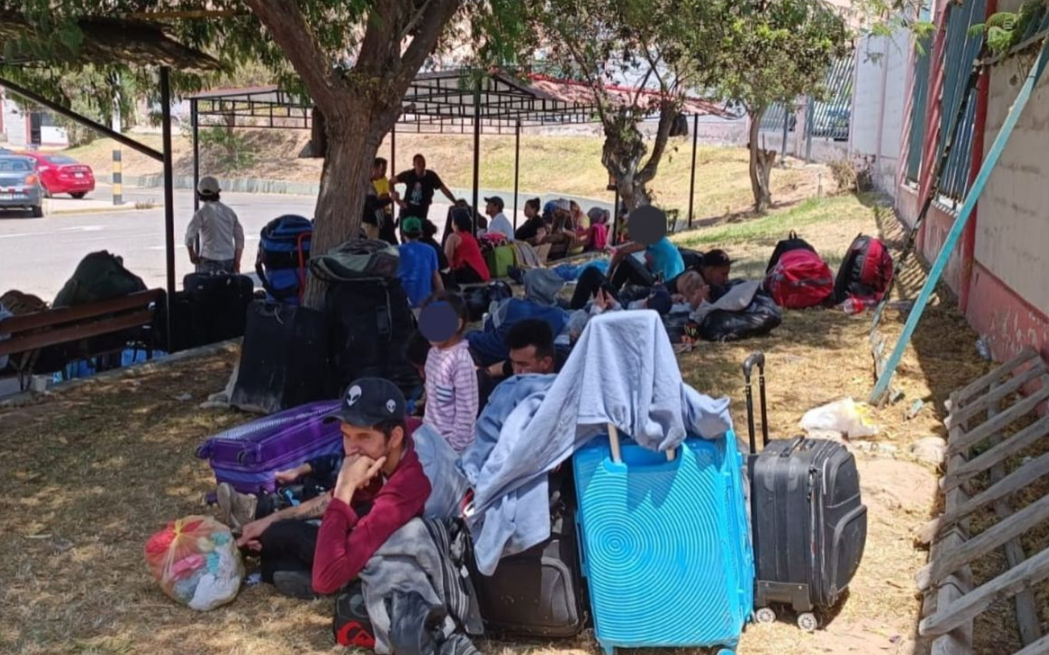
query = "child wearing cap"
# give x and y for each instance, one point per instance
(452, 394)
(419, 269)
(214, 237)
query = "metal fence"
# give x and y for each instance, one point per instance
(920, 101)
(830, 114)
(960, 51)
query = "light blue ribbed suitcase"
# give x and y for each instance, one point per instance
(665, 544)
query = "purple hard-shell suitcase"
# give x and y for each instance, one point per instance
(248, 456)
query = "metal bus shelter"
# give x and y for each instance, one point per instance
(457, 101)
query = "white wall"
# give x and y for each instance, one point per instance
(1012, 235)
(879, 99)
(14, 123)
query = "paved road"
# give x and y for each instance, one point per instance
(38, 255)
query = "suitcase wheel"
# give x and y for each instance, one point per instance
(808, 622)
(765, 615)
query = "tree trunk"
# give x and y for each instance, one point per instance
(761, 162)
(621, 155)
(343, 187)
(359, 106)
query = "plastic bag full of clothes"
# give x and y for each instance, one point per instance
(196, 562)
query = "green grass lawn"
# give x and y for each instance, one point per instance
(829, 223)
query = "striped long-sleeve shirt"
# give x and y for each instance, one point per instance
(451, 394)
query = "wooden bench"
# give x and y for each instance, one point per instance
(29, 333)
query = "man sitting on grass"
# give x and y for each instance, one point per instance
(381, 486)
(531, 344)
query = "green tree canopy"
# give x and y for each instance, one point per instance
(767, 52)
(354, 58)
(640, 43)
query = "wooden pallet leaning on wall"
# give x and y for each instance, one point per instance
(977, 419)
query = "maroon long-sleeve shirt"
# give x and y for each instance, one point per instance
(347, 541)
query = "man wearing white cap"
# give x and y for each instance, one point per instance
(215, 238)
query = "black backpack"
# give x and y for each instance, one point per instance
(692, 259)
(479, 299)
(370, 323)
(866, 271)
(792, 242)
(99, 276)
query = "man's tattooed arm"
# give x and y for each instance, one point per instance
(311, 509)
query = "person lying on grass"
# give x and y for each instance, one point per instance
(381, 486)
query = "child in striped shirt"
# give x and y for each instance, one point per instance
(452, 396)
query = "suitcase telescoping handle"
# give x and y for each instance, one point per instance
(617, 451)
(756, 359)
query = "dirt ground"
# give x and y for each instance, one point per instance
(89, 474)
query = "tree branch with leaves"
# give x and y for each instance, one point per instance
(608, 44)
(768, 52)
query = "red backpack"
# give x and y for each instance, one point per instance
(799, 280)
(865, 273)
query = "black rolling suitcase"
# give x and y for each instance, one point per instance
(809, 524)
(284, 360)
(370, 323)
(183, 332)
(219, 305)
(540, 592)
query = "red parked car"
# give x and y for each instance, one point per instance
(63, 174)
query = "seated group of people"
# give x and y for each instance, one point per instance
(561, 229)
(379, 484)
(429, 267)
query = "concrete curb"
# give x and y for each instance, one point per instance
(100, 210)
(278, 187)
(135, 370)
(233, 185)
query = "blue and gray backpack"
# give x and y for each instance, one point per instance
(284, 250)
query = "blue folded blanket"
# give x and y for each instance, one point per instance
(571, 272)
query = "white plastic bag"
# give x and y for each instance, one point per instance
(844, 416)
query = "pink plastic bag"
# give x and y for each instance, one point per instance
(196, 562)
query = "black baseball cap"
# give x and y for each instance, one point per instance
(716, 258)
(497, 201)
(368, 402)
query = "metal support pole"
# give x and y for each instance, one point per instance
(194, 120)
(477, 149)
(118, 166)
(615, 218)
(517, 166)
(82, 120)
(393, 150)
(692, 179)
(783, 150)
(169, 195)
(810, 123)
(947, 249)
(118, 177)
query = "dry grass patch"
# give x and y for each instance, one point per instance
(549, 164)
(91, 473)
